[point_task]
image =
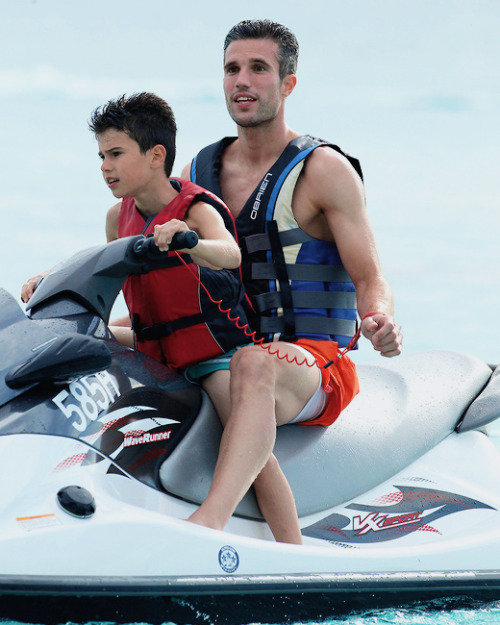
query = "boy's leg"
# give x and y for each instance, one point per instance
(277, 504)
(265, 391)
(273, 493)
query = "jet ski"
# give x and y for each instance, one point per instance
(105, 452)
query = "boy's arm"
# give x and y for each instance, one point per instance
(112, 222)
(122, 334)
(216, 246)
(120, 327)
(29, 286)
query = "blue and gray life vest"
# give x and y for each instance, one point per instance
(296, 283)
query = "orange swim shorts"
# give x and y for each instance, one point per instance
(340, 379)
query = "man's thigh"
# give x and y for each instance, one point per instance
(297, 379)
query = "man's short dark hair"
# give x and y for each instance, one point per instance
(145, 117)
(288, 46)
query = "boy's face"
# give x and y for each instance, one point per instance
(125, 169)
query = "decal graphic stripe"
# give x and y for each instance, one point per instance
(416, 509)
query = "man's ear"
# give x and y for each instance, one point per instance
(288, 84)
(158, 156)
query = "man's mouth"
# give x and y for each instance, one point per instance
(111, 181)
(244, 98)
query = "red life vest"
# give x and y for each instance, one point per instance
(174, 320)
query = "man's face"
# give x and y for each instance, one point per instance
(125, 169)
(252, 86)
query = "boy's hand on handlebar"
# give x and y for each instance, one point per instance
(164, 233)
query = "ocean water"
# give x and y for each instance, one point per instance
(412, 88)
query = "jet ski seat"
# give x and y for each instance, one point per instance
(406, 406)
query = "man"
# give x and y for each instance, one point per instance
(308, 245)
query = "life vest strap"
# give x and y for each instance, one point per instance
(307, 299)
(161, 330)
(281, 268)
(262, 242)
(310, 273)
(309, 325)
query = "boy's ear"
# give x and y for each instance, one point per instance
(158, 156)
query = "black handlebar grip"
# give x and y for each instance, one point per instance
(147, 248)
(184, 240)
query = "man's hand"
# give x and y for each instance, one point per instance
(384, 333)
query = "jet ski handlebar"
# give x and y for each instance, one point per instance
(95, 276)
(147, 249)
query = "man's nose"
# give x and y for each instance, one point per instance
(243, 78)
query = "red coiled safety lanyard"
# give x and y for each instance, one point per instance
(236, 320)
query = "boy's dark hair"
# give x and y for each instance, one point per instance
(146, 118)
(288, 46)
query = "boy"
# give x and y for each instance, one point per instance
(172, 318)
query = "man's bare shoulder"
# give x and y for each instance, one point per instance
(186, 172)
(327, 161)
(328, 188)
(328, 174)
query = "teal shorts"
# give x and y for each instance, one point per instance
(196, 372)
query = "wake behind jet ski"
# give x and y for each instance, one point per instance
(104, 452)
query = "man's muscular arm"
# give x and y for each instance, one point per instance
(330, 202)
